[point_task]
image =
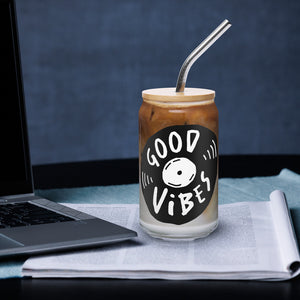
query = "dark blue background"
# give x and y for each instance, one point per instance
(85, 64)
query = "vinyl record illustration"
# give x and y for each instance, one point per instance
(178, 172)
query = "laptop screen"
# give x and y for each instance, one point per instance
(15, 169)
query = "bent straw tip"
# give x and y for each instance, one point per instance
(227, 21)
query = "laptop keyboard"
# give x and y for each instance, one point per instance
(26, 214)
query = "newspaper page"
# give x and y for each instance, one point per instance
(244, 246)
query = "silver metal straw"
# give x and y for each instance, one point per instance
(185, 68)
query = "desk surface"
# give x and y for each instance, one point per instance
(103, 173)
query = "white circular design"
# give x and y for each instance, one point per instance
(179, 172)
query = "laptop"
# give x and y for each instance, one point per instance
(30, 224)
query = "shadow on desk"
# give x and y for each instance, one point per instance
(37, 289)
(161, 289)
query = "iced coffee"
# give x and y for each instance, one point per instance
(178, 163)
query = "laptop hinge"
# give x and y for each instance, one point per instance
(16, 197)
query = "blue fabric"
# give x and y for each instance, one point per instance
(89, 61)
(230, 190)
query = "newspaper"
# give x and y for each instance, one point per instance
(254, 240)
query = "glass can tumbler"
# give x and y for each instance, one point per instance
(178, 163)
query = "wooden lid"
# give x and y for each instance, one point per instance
(170, 95)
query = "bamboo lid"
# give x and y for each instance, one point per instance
(170, 95)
